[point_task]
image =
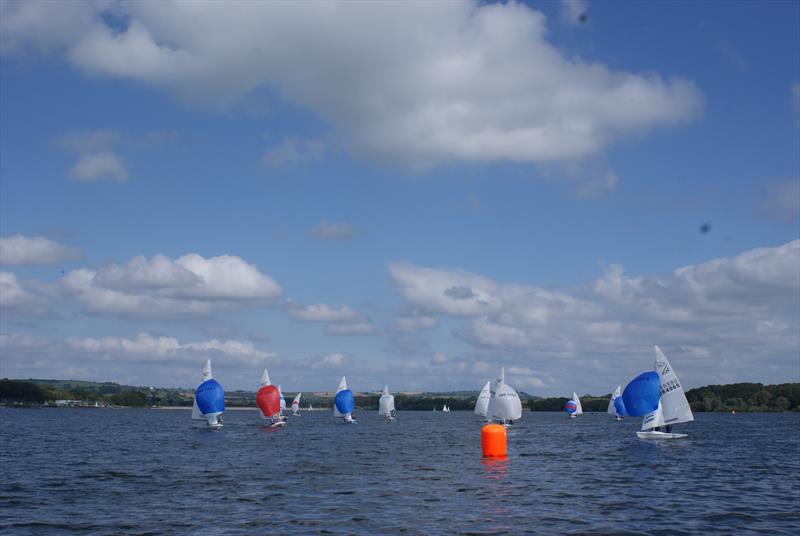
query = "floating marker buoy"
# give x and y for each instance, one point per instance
(493, 441)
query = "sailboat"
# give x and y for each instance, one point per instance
(310, 408)
(616, 406)
(445, 409)
(283, 400)
(344, 403)
(504, 404)
(386, 405)
(296, 405)
(268, 399)
(209, 400)
(482, 403)
(658, 397)
(573, 407)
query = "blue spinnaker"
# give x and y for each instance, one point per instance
(210, 397)
(641, 394)
(619, 405)
(345, 402)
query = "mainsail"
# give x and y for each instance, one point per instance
(673, 408)
(296, 404)
(578, 407)
(615, 405)
(504, 403)
(482, 404)
(386, 404)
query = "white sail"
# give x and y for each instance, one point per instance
(612, 409)
(482, 404)
(342, 386)
(196, 415)
(296, 403)
(207, 371)
(283, 400)
(654, 419)
(504, 403)
(386, 403)
(578, 407)
(265, 378)
(674, 405)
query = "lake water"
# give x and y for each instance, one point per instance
(69, 471)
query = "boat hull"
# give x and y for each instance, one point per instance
(652, 434)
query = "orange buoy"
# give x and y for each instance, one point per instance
(493, 441)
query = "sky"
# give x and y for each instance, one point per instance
(413, 194)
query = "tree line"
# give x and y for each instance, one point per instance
(743, 397)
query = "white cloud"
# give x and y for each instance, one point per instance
(189, 285)
(292, 149)
(99, 166)
(322, 313)
(439, 358)
(14, 298)
(333, 360)
(143, 360)
(415, 323)
(727, 319)
(334, 231)
(359, 328)
(415, 83)
(20, 250)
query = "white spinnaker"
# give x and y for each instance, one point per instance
(386, 403)
(612, 409)
(504, 403)
(265, 378)
(674, 405)
(342, 387)
(578, 407)
(482, 404)
(296, 403)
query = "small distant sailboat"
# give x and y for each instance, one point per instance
(344, 403)
(445, 409)
(310, 408)
(616, 406)
(504, 403)
(658, 397)
(283, 400)
(296, 405)
(386, 405)
(268, 399)
(209, 400)
(482, 403)
(573, 407)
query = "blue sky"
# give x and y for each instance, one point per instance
(404, 193)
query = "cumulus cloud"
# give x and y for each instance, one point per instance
(333, 360)
(19, 250)
(99, 166)
(135, 361)
(97, 160)
(322, 313)
(189, 285)
(414, 83)
(742, 311)
(334, 231)
(17, 300)
(414, 322)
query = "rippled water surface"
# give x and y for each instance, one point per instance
(153, 472)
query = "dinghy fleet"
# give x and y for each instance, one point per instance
(655, 395)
